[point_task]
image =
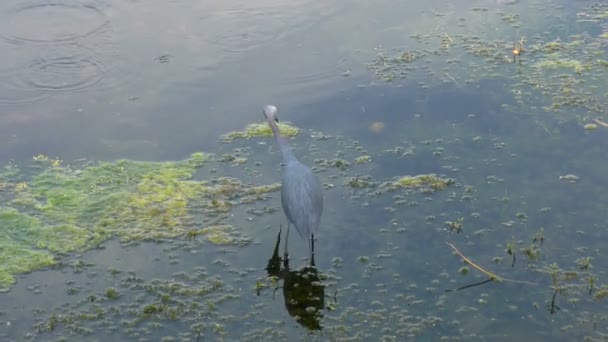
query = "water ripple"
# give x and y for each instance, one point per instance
(55, 47)
(63, 73)
(51, 22)
(69, 69)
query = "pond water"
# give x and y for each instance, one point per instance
(461, 148)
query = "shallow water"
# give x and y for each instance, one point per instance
(156, 81)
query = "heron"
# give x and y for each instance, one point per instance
(301, 192)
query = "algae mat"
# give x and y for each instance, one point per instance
(551, 64)
(49, 208)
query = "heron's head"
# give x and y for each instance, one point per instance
(270, 113)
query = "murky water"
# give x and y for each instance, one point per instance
(502, 237)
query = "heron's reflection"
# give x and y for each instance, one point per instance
(303, 292)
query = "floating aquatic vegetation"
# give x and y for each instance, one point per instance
(16, 258)
(339, 164)
(590, 127)
(359, 182)
(363, 159)
(553, 68)
(560, 63)
(191, 300)
(427, 183)
(218, 234)
(63, 209)
(260, 130)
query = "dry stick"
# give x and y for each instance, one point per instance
(477, 267)
(453, 80)
(600, 122)
(480, 269)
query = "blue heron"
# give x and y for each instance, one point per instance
(301, 192)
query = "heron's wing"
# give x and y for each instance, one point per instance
(302, 198)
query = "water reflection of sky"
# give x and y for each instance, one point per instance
(158, 81)
(108, 65)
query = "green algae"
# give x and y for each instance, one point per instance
(218, 235)
(428, 182)
(557, 71)
(339, 164)
(590, 127)
(130, 199)
(112, 293)
(189, 302)
(260, 130)
(363, 159)
(563, 63)
(16, 254)
(18, 258)
(63, 209)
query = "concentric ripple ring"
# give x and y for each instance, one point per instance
(62, 74)
(51, 22)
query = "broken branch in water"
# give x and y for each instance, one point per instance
(600, 122)
(477, 267)
(492, 276)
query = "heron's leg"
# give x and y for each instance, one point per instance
(276, 246)
(285, 255)
(312, 254)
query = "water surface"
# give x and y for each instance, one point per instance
(427, 88)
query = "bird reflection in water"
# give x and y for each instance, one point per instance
(303, 291)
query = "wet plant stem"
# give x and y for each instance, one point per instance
(492, 276)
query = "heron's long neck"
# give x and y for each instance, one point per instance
(282, 142)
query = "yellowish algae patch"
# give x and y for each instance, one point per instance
(363, 160)
(218, 234)
(260, 130)
(16, 254)
(61, 209)
(563, 63)
(590, 127)
(429, 182)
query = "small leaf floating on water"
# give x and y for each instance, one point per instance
(570, 178)
(165, 58)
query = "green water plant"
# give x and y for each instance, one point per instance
(63, 209)
(260, 130)
(425, 182)
(563, 63)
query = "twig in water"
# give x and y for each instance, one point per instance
(453, 80)
(600, 122)
(474, 265)
(492, 276)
